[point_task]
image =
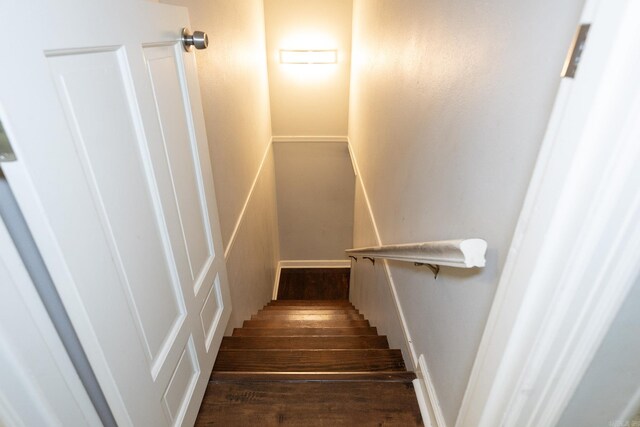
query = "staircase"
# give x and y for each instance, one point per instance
(309, 363)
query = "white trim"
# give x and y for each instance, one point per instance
(462, 253)
(576, 249)
(314, 138)
(276, 284)
(390, 281)
(240, 219)
(630, 410)
(426, 396)
(352, 156)
(315, 263)
(421, 397)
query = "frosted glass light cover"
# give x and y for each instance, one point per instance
(329, 56)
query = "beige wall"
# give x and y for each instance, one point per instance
(252, 260)
(369, 286)
(308, 99)
(448, 106)
(235, 97)
(315, 183)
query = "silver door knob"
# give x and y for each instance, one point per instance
(198, 39)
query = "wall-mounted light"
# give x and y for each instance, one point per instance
(328, 56)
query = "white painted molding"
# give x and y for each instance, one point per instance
(576, 248)
(421, 397)
(313, 138)
(240, 219)
(426, 396)
(464, 253)
(315, 263)
(276, 284)
(390, 281)
(352, 156)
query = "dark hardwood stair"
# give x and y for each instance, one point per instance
(308, 363)
(283, 332)
(305, 323)
(305, 342)
(310, 404)
(310, 360)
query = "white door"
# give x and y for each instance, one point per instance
(102, 107)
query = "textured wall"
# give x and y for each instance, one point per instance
(309, 99)
(315, 183)
(370, 290)
(252, 260)
(449, 102)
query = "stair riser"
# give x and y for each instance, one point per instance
(305, 317)
(298, 310)
(309, 360)
(310, 303)
(306, 324)
(282, 332)
(326, 342)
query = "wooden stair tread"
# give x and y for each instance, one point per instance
(385, 376)
(309, 363)
(281, 332)
(368, 360)
(309, 404)
(305, 342)
(275, 311)
(310, 316)
(305, 324)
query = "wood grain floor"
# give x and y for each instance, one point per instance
(309, 363)
(309, 404)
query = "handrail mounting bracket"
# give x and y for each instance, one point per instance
(433, 267)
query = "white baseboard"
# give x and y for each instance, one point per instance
(308, 263)
(315, 263)
(302, 138)
(426, 396)
(277, 282)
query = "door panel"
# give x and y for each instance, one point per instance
(113, 177)
(114, 170)
(211, 312)
(182, 384)
(170, 94)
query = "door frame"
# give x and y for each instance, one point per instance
(26, 397)
(576, 248)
